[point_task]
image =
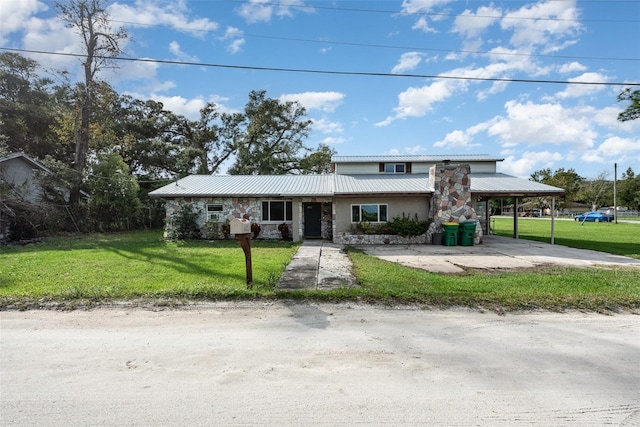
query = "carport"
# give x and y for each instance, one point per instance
(486, 187)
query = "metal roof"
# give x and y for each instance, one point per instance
(382, 184)
(25, 158)
(507, 185)
(486, 184)
(417, 158)
(247, 185)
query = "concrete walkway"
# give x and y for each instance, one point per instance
(318, 265)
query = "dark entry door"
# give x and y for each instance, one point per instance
(312, 220)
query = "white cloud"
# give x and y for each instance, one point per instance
(263, 10)
(496, 87)
(189, 108)
(543, 23)
(528, 163)
(614, 149)
(424, 6)
(324, 101)
(416, 149)
(456, 139)
(408, 61)
(333, 140)
(15, 14)
(174, 15)
(418, 101)
(422, 25)
(571, 67)
(580, 90)
(471, 24)
(236, 36)
(174, 47)
(539, 124)
(459, 139)
(327, 127)
(136, 71)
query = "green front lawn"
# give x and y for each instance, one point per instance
(619, 239)
(140, 264)
(93, 269)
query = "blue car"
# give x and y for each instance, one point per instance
(594, 217)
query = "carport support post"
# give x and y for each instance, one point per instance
(515, 217)
(553, 218)
(245, 243)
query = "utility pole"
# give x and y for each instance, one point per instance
(615, 193)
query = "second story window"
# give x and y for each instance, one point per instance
(394, 168)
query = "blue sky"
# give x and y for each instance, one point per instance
(407, 109)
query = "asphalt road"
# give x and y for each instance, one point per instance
(305, 364)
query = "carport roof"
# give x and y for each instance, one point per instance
(482, 184)
(499, 184)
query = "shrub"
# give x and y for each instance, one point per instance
(401, 226)
(255, 229)
(211, 230)
(284, 231)
(183, 224)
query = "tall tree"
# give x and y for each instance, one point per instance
(632, 112)
(629, 190)
(271, 137)
(101, 44)
(318, 161)
(26, 106)
(114, 199)
(568, 180)
(597, 192)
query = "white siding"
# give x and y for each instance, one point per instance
(20, 174)
(357, 168)
(416, 167)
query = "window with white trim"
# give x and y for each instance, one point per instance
(394, 168)
(277, 210)
(369, 213)
(214, 213)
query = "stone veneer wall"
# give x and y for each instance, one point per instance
(451, 200)
(231, 207)
(379, 239)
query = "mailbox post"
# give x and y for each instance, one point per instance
(241, 228)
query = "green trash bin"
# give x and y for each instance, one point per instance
(467, 233)
(450, 235)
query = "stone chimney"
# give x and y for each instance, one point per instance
(452, 193)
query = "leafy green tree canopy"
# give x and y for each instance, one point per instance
(114, 193)
(270, 138)
(632, 112)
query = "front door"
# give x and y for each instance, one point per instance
(312, 220)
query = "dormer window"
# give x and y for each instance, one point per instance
(395, 167)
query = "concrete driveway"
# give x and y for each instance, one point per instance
(296, 364)
(495, 253)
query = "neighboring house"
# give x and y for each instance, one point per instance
(18, 171)
(360, 189)
(18, 181)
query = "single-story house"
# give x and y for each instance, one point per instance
(371, 189)
(18, 181)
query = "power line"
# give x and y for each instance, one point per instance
(397, 47)
(438, 14)
(328, 72)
